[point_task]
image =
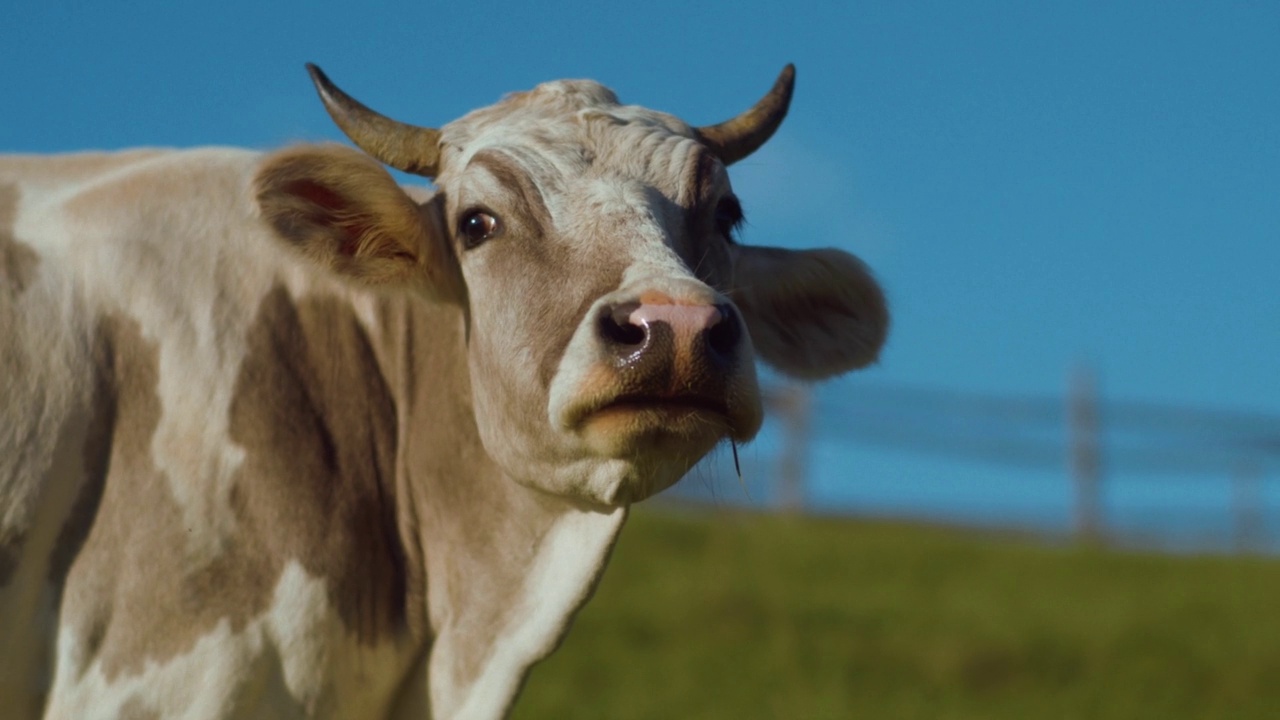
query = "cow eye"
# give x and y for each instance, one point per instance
(729, 216)
(477, 226)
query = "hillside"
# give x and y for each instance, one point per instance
(748, 616)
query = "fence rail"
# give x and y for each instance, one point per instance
(1093, 439)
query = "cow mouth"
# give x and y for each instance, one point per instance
(673, 403)
(665, 411)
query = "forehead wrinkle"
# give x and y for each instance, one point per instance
(549, 111)
(644, 153)
(548, 164)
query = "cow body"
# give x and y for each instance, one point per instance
(282, 439)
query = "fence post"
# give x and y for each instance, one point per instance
(1249, 530)
(1085, 453)
(793, 409)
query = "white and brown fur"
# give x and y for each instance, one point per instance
(274, 444)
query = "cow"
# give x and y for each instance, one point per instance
(280, 437)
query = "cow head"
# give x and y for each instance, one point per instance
(613, 319)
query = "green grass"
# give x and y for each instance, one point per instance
(748, 616)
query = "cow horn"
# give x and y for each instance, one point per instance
(404, 147)
(735, 139)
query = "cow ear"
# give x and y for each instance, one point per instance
(343, 210)
(811, 313)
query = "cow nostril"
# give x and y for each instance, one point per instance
(617, 327)
(723, 337)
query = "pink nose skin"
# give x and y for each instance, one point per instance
(685, 320)
(659, 336)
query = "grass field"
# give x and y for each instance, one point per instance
(747, 616)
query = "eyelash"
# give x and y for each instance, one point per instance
(729, 218)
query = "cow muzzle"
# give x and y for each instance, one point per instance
(668, 369)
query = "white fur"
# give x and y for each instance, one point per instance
(562, 574)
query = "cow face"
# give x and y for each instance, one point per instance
(612, 317)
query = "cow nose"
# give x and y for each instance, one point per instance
(661, 331)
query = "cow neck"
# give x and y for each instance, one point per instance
(506, 567)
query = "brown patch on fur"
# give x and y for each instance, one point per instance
(318, 426)
(317, 419)
(96, 452)
(10, 551)
(17, 265)
(17, 260)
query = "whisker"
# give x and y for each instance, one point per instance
(698, 265)
(738, 468)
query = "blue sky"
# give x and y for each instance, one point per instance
(1034, 185)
